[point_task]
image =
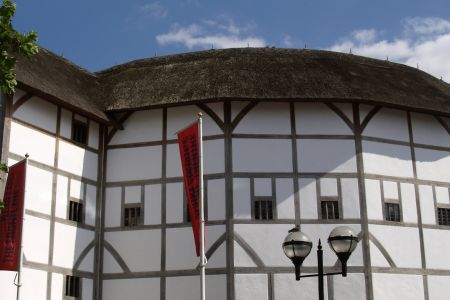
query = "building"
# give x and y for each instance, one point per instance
(305, 137)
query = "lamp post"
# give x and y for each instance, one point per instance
(297, 246)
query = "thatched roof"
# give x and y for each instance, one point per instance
(55, 78)
(240, 74)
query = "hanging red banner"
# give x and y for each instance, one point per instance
(188, 142)
(11, 218)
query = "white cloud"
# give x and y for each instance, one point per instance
(154, 9)
(425, 42)
(220, 33)
(287, 41)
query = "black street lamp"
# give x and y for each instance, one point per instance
(297, 246)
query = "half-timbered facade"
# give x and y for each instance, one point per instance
(292, 137)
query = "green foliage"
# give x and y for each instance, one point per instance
(11, 43)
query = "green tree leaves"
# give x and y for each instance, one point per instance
(11, 44)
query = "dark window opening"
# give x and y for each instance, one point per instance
(75, 211)
(132, 216)
(330, 209)
(444, 216)
(72, 286)
(79, 132)
(263, 209)
(392, 212)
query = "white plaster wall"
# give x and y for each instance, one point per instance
(390, 190)
(241, 198)
(387, 159)
(152, 206)
(257, 235)
(346, 108)
(180, 246)
(433, 164)
(216, 199)
(317, 118)
(397, 286)
(350, 198)
(6, 284)
(87, 289)
(322, 232)
(173, 162)
(110, 264)
(427, 130)
(77, 160)
(180, 117)
(65, 128)
(377, 258)
(402, 244)
(38, 112)
(184, 287)
(62, 184)
(437, 243)
(76, 189)
(427, 208)
(308, 198)
(351, 287)
(174, 202)
(36, 239)
(262, 155)
(40, 147)
(409, 207)
(374, 200)
(326, 156)
(438, 287)
(134, 163)
(388, 124)
(70, 241)
(141, 249)
(141, 126)
(39, 184)
(94, 134)
(87, 264)
(442, 195)
(133, 194)
(328, 187)
(140, 288)
(287, 288)
(241, 258)
(364, 110)
(251, 287)
(285, 198)
(57, 286)
(262, 186)
(34, 285)
(218, 258)
(113, 207)
(90, 202)
(236, 108)
(266, 118)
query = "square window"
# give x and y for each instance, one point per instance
(132, 216)
(392, 212)
(443, 216)
(79, 132)
(330, 209)
(72, 286)
(75, 211)
(263, 209)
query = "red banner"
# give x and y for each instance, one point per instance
(11, 218)
(188, 141)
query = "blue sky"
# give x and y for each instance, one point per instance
(97, 34)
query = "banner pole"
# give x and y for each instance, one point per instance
(19, 272)
(202, 212)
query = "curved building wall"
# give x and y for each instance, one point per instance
(294, 154)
